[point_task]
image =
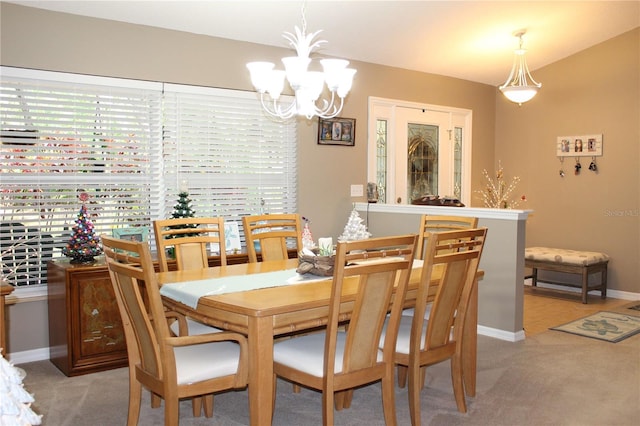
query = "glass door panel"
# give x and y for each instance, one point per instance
(422, 160)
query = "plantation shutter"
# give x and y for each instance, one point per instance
(65, 134)
(233, 159)
(62, 135)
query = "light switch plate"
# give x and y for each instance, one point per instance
(357, 190)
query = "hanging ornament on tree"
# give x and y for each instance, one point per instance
(84, 244)
(355, 229)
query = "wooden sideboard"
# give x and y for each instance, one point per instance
(85, 329)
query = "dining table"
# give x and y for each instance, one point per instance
(269, 300)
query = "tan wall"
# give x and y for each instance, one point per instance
(595, 91)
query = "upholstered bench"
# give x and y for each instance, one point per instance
(568, 261)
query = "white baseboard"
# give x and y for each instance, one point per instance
(501, 334)
(32, 355)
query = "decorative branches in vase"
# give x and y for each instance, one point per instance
(497, 194)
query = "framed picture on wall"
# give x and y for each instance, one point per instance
(136, 233)
(337, 131)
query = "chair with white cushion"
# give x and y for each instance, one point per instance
(170, 367)
(421, 342)
(376, 271)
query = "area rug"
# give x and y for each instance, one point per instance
(609, 326)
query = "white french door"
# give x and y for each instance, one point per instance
(417, 150)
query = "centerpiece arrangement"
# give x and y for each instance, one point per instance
(320, 260)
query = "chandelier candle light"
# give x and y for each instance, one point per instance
(517, 87)
(307, 85)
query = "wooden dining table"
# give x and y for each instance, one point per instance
(266, 313)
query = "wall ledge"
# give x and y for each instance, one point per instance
(481, 213)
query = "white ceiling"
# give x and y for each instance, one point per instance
(471, 40)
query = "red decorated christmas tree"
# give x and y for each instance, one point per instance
(84, 244)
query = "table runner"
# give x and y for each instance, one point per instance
(189, 292)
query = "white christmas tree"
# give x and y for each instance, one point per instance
(355, 229)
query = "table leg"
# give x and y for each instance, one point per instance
(261, 386)
(470, 344)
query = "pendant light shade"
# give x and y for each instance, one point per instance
(520, 87)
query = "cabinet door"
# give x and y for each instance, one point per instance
(96, 323)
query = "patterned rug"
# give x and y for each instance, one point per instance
(609, 326)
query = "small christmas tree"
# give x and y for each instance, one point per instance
(354, 229)
(84, 244)
(181, 210)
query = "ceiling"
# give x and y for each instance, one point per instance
(471, 40)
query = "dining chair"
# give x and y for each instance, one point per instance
(430, 224)
(190, 238)
(170, 367)
(274, 233)
(440, 223)
(426, 341)
(191, 251)
(341, 358)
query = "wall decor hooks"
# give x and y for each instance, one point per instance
(579, 146)
(561, 167)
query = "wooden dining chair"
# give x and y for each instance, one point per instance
(190, 238)
(440, 223)
(422, 342)
(170, 367)
(430, 224)
(339, 359)
(275, 234)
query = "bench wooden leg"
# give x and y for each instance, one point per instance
(585, 284)
(603, 277)
(534, 277)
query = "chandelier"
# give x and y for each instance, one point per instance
(517, 87)
(307, 85)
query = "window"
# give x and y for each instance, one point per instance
(132, 146)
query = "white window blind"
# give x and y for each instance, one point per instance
(63, 135)
(233, 159)
(130, 145)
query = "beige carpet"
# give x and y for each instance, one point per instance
(549, 379)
